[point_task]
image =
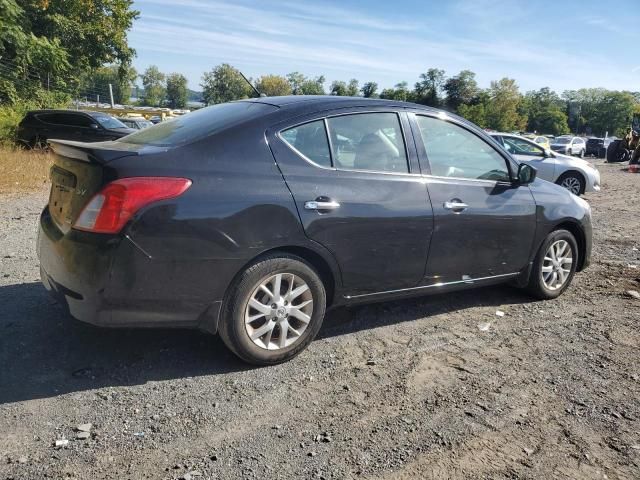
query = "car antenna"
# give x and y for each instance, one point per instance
(253, 87)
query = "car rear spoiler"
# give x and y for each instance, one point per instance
(101, 152)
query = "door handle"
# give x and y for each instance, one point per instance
(319, 205)
(455, 205)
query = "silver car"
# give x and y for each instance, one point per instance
(576, 175)
(568, 145)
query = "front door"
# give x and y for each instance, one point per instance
(356, 183)
(484, 224)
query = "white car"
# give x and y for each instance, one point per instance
(576, 175)
(568, 145)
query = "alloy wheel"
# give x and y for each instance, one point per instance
(556, 266)
(278, 311)
(572, 184)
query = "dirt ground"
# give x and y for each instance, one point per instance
(403, 390)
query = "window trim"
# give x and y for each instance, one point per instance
(437, 116)
(325, 119)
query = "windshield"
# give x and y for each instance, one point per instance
(562, 140)
(199, 124)
(109, 122)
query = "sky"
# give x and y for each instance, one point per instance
(561, 44)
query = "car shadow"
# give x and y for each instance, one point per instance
(45, 353)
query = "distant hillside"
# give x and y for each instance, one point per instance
(194, 96)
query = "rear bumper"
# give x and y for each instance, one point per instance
(109, 282)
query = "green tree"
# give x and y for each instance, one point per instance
(353, 88)
(502, 112)
(177, 92)
(598, 111)
(460, 89)
(427, 90)
(301, 85)
(223, 84)
(339, 88)
(313, 86)
(369, 90)
(153, 81)
(273, 85)
(97, 82)
(546, 112)
(399, 92)
(475, 113)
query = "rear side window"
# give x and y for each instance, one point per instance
(453, 151)
(368, 141)
(311, 141)
(199, 124)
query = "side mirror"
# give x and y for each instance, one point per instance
(526, 174)
(548, 153)
(94, 126)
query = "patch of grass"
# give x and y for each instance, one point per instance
(23, 170)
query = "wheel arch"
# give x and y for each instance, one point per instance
(576, 230)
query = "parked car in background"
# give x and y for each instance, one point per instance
(155, 119)
(597, 147)
(576, 175)
(251, 218)
(135, 123)
(543, 141)
(39, 126)
(569, 145)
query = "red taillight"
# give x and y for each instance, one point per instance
(110, 209)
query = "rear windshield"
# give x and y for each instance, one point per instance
(562, 140)
(199, 124)
(595, 140)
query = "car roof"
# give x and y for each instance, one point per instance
(60, 110)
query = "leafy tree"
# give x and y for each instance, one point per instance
(301, 85)
(153, 81)
(296, 80)
(475, 113)
(177, 92)
(598, 111)
(273, 85)
(399, 92)
(97, 82)
(502, 111)
(461, 89)
(224, 84)
(427, 90)
(339, 88)
(353, 88)
(313, 86)
(546, 112)
(57, 44)
(369, 90)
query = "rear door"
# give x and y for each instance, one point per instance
(484, 224)
(356, 183)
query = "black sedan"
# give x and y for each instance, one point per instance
(251, 218)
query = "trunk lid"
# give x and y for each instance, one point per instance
(79, 172)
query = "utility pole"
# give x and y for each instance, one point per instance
(47, 81)
(111, 95)
(97, 101)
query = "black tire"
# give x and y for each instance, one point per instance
(39, 143)
(536, 286)
(572, 175)
(232, 325)
(615, 152)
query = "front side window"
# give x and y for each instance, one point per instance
(368, 141)
(519, 146)
(311, 141)
(453, 151)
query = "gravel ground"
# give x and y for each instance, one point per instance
(402, 390)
